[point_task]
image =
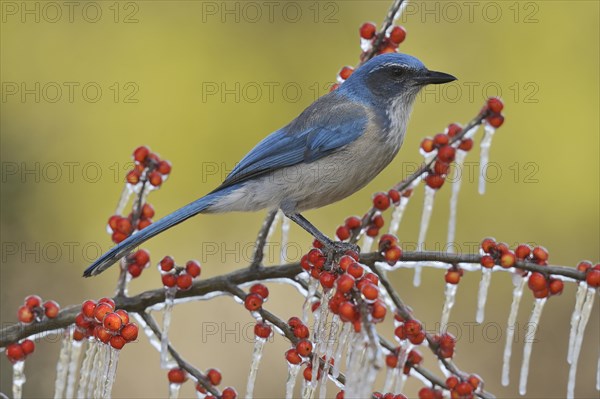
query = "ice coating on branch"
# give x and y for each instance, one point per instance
(459, 161)
(102, 366)
(365, 44)
(598, 374)
(165, 363)
(484, 155)
(62, 366)
(356, 361)
(534, 320)
(152, 338)
(425, 218)
(85, 373)
(313, 284)
(484, 285)
(123, 199)
(405, 348)
(450, 292)
(575, 317)
(174, 390)
(339, 349)
(113, 361)
(333, 331)
(585, 316)
(399, 210)
(257, 353)
(285, 234)
(290, 383)
(519, 283)
(367, 243)
(76, 349)
(18, 378)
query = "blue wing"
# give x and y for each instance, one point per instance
(327, 125)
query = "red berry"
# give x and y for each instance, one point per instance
(184, 281)
(262, 330)
(177, 376)
(584, 266)
(102, 334)
(367, 30)
(592, 277)
(112, 322)
(169, 280)
(446, 153)
(228, 393)
(427, 144)
(397, 35)
(434, 181)
(155, 179)
(543, 293)
(417, 339)
(14, 352)
(488, 244)
(474, 380)
(522, 251)
(192, 268)
(304, 347)
(369, 291)
(130, 332)
(214, 376)
(51, 309)
(393, 254)
(394, 196)
(452, 276)
(487, 261)
(464, 389)
(353, 222)
(294, 321)
(117, 237)
(117, 342)
(327, 279)
(453, 129)
(253, 302)
(25, 314)
(347, 311)
(164, 167)
(495, 105)
(379, 310)
(124, 226)
(334, 86)
(466, 144)
(307, 373)
(87, 308)
(355, 270)
(134, 270)
(339, 395)
(33, 301)
(342, 233)
(166, 264)
(540, 253)
(556, 286)
(441, 168)
(28, 346)
(102, 309)
(346, 72)
(391, 360)
(537, 281)
(508, 259)
(316, 258)
(495, 120)
(123, 315)
(381, 201)
(260, 289)
(345, 283)
(301, 331)
(292, 356)
(147, 211)
(372, 231)
(132, 177)
(141, 153)
(440, 140)
(112, 222)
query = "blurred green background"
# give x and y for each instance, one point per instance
(202, 82)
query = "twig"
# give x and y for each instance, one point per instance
(261, 239)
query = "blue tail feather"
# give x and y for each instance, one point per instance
(124, 247)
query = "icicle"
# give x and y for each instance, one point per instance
(510, 329)
(339, 349)
(18, 378)
(174, 390)
(534, 320)
(355, 360)
(333, 329)
(87, 368)
(426, 216)
(486, 142)
(102, 365)
(113, 361)
(598, 374)
(125, 195)
(458, 166)
(367, 243)
(256, 356)
(405, 349)
(148, 331)
(313, 284)
(585, 316)
(484, 284)
(293, 370)
(397, 215)
(285, 233)
(575, 317)
(165, 362)
(450, 292)
(390, 378)
(62, 366)
(76, 349)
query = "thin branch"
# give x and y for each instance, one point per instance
(261, 239)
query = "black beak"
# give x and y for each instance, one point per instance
(433, 77)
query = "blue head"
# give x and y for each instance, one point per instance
(387, 77)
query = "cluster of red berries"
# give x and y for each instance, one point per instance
(462, 389)
(148, 167)
(446, 153)
(444, 344)
(137, 262)
(258, 294)
(179, 376)
(592, 273)
(389, 395)
(394, 36)
(430, 393)
(389, 248)
(410, 329)
(34, 310)
(303, 348)
(177, 276)
(121, 227)
(414, 358)
(101, 321)
(17, 352)
(494, 107)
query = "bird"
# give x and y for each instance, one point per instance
(335, 147)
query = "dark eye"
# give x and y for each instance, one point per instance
(398, 72)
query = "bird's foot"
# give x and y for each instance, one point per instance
(338, 248)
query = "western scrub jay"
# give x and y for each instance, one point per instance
(331, 150)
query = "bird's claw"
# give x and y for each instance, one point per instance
(340, 248)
